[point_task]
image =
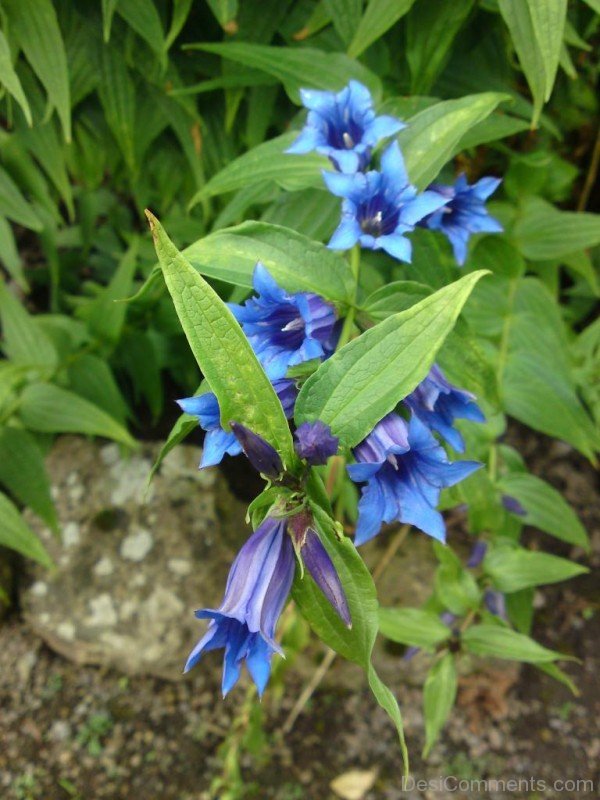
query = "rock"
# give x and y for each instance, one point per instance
(355, 784)
(6, 580)
(132, 565)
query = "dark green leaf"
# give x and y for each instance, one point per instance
(17, 535)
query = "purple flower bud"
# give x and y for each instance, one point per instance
(324, 574)
(512, 504)
(315, 442)
(447, 617)
(261, 454)
(495, 603)
(477, 554)
(411, 652)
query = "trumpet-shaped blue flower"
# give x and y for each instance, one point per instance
(218, 441)
(285, 329)
(464, 213)
(315, 442)
(438, 403)
(380, 207)
(257, 588)
(405, 470)
(343, 126)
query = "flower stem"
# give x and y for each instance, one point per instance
(348, 326)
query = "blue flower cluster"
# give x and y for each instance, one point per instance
(381, 206)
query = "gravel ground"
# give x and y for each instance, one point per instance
(87, 733)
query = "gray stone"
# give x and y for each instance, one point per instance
(133, 564)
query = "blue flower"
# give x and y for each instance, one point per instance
(263, 456)
(405, 470)
(257, 588)
(315, 442)
(343, 126)
(438, 403)
(464, 213)
(285, 329)
(380, 207)
(218, 441)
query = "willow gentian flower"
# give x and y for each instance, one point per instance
(285, 329)
(343, 126)
(257, 588)
(315, 442)
(464, 213)
(405, 470)
(380, 207)
(438, 403)
(263, 456)
(218, 441)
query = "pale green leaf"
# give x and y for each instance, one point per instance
(413, 626)
(221, 349)
(23, 473)
(24, 341)
(17, 535)
(500, 642)
(10, 79)
(9, 255)
(363, 381)
(49, 409)
(35, 26)
(378, 18)
(14, 206)
(514, 568)
(439, 694)
(545, 507)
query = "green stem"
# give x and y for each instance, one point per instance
(348, 326)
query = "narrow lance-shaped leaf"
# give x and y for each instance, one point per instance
(221, 349)
(439, 695)
(10, 79)
(379, 17)
(501, 642)
(363, 381)
(35, 25)
(17, 535)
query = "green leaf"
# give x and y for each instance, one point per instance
(297, 263)
(394, 297)
(10, 79)
(24, 341)
(23, 473)
(514, 568)
(223, 353)
(225, 12)
(355, 643)
(9, 255)
(536, 28)
(14, 206)
(413, 626)
(92, 378)
(267, 162)
(345, 15)
(542, 232)
(456, 588)
(497, 126)
(546, 508)
(181, 10)
(35, 27)
(17, 535)
(108, 10)
(143, 17)
(434, 135)
(439, 694)
(180, 431)
(430, 33)
(49, 409)
(297, 67)
(105, 317)
(363, 381)
(500, 642)
(117, 95)
(378, 18)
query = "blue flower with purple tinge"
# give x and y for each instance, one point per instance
(405, 470)
(343, 126)
(438, 403)
(464, 213)
(218, 441)
(380, 207)
(257, 588)
(315, 443)
(285, 329)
